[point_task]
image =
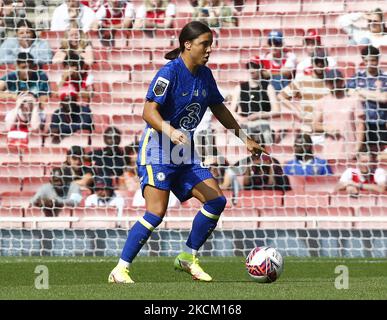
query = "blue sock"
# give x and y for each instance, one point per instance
(138, 235)
(205, 222)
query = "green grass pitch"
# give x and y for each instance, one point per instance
(86, 278)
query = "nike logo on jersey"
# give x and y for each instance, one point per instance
(185, 94)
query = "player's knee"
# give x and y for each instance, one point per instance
(216, 206)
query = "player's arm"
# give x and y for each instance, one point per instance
(225, 117)
(152, 116)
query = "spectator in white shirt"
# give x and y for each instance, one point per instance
(155, 14)
(105, 196)
(72, 10)
(367, 176)
(365, 28)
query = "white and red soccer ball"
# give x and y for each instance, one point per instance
(264, 264)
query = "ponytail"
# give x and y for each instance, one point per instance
(172, 55)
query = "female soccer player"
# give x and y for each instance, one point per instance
(177, 98)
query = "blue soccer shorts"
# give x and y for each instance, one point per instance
(178, 179)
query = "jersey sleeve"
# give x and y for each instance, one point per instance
(214, 96)
(346, 177)
(160, 86)
(380, 177)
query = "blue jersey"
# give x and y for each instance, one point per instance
(183, 98)
(314, 167)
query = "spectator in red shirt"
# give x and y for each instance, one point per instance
(279, 63)
(74, 74)
(114, 15)
(155, 14)
(367, 176)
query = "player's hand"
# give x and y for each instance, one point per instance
(178, 137)
(255, 148)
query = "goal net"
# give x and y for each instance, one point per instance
(304, 78)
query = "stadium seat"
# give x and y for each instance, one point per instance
(334, 211)
(38, 213)
(53, 38)
(239, 38)
(133, 91)
(320, 183)
(233, 72)
(154, 39)
(10, 184)
(345, 200)
(110, 73)
(371, 212)
(16, 199)
(20, 170)
(12, 212)
(282, 212)
(82, 213)
(304, 21)
(120, 39)
(129, 56)
(184, 15)
(8, 155)
(223, 56)
(293, 37)
(279, 6)
(32, 184)
(101, 122)
(44, 155)
(356, 5)
(253, 21)
(297, 183)
(144, 73)
(310, 6)
(293, 199)
(128, 123)
(259, 199)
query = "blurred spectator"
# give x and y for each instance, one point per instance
(371, 86)
(12, 11)
(129, 181)
(312, 41)
(26, 41)
(263, 173)
(93, 4)
(22, 120)
(217, 166)
(155, 14)
(254, 103)
(75, 41)
(51, 197)
(340, 118)
(215, 13)
(367, 176)
(305, 163)
(365, 28)
(104, 196)
(25, 78)
(73, 10)
(70, 117)
(302, 94)
(109, 161)
(114, 15)
(75, 75)
(279, 63)
(80, 172)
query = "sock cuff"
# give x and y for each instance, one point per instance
(150, 220)
(214, 207)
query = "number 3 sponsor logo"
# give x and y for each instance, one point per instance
(191, 120)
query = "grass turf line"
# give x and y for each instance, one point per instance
(86, 278)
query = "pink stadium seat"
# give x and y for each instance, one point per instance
(157, 56)
(281, 212)
(253, 21)
(19, 170)
(381, 200)
(184, 15)
(10, 184)
(282, 153)
(305, 21)
(320, 183)
(134, 91)
(293, 37)
(233, 72)
(323, 6)
(340, 165)
(331, 40)
(120, 39)
(144, 73)
(281, 6)
(222, 56)
(330, 20)
(298, 184)
(53, 38)
(38, 213)
(356, 5)
(8, 155)
(157, 39)
(128, 123)
(239, 38)
(371, 212)
(101, 122)
(101, 92)
(284, 121)
(16, 199)
(44, 155)
(101, 54)
(335, 211)
(94, 212)
(11, 212)
(293, 199)
(348, 69)
(110, 73)
(344, 200)
(32, 184)
(80, 138)
(129, 56)
(259, 199)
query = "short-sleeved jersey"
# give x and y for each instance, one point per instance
(37, 83)
(183, 98)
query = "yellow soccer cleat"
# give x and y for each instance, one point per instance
(190, 264)
(120, 274)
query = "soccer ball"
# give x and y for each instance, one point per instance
(264, 264)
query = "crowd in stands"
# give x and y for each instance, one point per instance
(343, 117)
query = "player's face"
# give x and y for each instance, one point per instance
(200, 49)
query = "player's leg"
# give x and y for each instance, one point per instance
(156, 194)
